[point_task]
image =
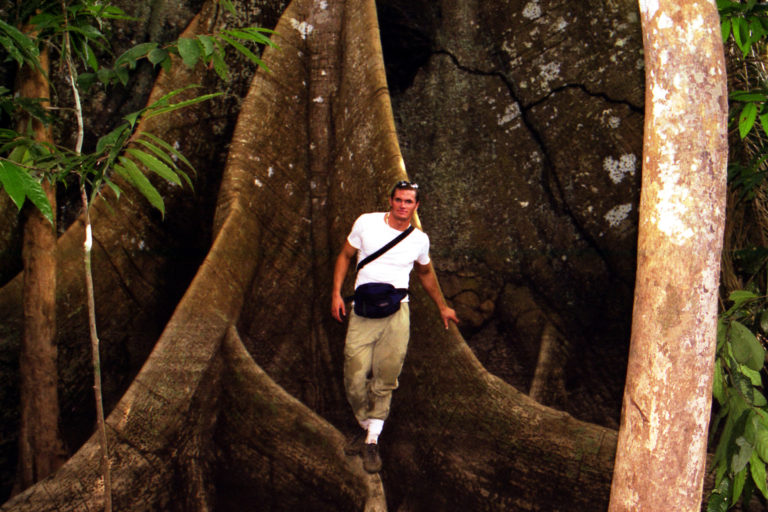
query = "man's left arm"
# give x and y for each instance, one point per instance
(429, 281)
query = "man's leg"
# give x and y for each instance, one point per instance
(387, 362)
(388, 358)
(362, 334)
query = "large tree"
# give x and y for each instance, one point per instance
(203, 420)
(662, 444)
(240, 401)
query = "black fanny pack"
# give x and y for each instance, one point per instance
(378, 300)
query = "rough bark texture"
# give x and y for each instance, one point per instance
(41, 450)
(661, 454)
(202, 420)
(241, 400)
(142, 263)
(522, 122)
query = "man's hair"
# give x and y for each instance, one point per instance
(405, 185)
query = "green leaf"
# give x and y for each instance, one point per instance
(255, 34)
(757, 468)
(748, 96)
(158, 56)
(722, 331)
(132, 55)
(738, 484)
(20, 185)
(19, 45)
(152, 112)
(741, 35)
(739, 297)
(717, 503)
(746, 348)
(761, 442)
(112, 139)
(133, 117)
(122, 75)
(227, 4)
(155, 165)
(747, 119)
(755, 30)
(725, 29)
(718, 385)
(90, 57)
(758, 399)
(242, 49)
(219, 65)
(207, 43)
(752, 375)
(170, 149)
(105, 75)
(718, 500)
(189, 51)
(741, 457)
(733, 428)
(751, 427)
(86, 80)
(12, 50)
(133, 175)
(13, 182)
(37, 196)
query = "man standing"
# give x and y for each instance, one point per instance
(374, 349)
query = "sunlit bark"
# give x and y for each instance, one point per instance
(41, 450)
(660, 461)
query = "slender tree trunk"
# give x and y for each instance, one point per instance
(548, 384)
(662, 442)
(106, 473)
(40, 447)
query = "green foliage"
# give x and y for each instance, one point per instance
(77, 30)
(741, 424)
(747, 23)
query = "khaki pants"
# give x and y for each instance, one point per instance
(374, 353)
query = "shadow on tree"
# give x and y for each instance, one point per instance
(240, 401)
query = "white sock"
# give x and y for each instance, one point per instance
(374, 429)
(364, 423)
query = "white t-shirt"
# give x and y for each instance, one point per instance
(369, 234)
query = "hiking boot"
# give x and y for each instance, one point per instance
(371, 459)
(355, 445)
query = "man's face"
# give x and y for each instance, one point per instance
(403, 204)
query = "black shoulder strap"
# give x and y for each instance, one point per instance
(384, 249)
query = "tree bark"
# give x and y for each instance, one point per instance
(41, 450)
(663, 437)
(207, 420)
(548, 384)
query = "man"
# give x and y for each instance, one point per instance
(375, 348)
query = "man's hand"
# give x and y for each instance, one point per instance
(338, 309)
(428, 280)
(448, 314)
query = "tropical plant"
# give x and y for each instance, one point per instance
(740, 425)
(77, 31)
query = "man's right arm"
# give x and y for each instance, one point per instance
(338, 310)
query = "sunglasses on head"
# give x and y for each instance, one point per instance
(406, 184)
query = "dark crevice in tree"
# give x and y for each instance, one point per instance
(404, 41)
(559, 205)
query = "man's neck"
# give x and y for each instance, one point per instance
(394, 223)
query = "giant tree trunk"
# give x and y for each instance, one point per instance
(203, 420)
(662, 442)
(41, 451)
